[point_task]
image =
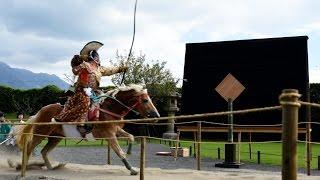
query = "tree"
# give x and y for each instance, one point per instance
(157, 79)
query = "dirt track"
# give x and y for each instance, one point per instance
(158, 167)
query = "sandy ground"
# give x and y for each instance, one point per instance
(106, 172)
(169, 170)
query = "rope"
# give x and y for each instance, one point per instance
(182, 117)
(309, 104)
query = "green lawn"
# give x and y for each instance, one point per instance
(270, 152)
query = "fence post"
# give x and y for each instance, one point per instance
(199, 147)
(176, 148)
(290, 115)
(24, 156)
(109, 153)
(142, 157)
(219, 155)
(259, 157)
(239, 146)
(318, 162)
(190, 151)
(250, 149)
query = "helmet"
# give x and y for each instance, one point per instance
(94, 56)
(90, 50)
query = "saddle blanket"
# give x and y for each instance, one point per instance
(72, 131)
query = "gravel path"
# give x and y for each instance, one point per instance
(98, 156)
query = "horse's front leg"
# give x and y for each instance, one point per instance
(52, 143)
(117, 149)
(123, 133)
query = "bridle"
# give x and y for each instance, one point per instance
(128, 109)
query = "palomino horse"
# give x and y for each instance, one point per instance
(114, 106)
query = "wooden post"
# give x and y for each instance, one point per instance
(176, 149)
(142, 157)
(308, 126)
(109, 153)
(101, 142)
(259, 157)
(318, 162)
(219, 155)
(199, 147)
(194, 144)
(24, 156)
(239, 142)
(65, 142)
(190, 151)
(250, 148)
(290, 115)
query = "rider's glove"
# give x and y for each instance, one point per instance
(123, 69)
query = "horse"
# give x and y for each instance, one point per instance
(114, 105)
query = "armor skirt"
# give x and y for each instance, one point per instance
(76, 108)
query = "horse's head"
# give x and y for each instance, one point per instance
(133, 98)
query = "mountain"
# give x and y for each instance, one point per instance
(25, 79)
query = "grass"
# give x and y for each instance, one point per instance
(270, 153)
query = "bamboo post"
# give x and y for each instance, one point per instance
(176, 149)
(199, 146)
(290, 115)
(24, 156)
(142, 157)
(109, 153)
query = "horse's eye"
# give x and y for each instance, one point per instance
(145, 101)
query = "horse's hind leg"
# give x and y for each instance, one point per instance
(123, 133)
(52, 143)
(117, 149)
(30, 147)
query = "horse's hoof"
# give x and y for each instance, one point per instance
(59, 166)
(133, 172)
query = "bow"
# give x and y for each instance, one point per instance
(132, 42)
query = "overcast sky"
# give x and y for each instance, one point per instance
(43, 35)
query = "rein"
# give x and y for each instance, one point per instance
(120, 116)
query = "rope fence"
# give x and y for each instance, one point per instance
(284, 102)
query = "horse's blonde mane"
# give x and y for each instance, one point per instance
(135, 87)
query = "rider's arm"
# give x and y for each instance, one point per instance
(107, 71)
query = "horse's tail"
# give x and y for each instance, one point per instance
(24, 132)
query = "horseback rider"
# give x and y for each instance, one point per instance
(87, 67)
